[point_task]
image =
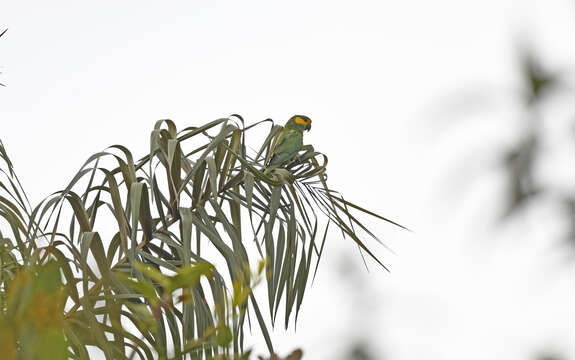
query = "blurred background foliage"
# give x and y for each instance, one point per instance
(31, 325)
(524, 166)
(526, 160)
(527, 186)
(520, 160)
(159, 257)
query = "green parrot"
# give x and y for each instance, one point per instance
(289, 141)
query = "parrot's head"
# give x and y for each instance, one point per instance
(299, 122)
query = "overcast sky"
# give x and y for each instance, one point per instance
(409, 95)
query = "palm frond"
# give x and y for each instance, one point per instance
(124, 232)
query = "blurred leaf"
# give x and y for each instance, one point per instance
(223, 336)
(189, 275)
(538, 80)
(32, 325)
(145, 288)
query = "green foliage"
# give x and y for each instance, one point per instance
(32, 321)
(156, 256)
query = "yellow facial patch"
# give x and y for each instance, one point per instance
(302, 121)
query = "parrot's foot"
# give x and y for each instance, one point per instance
(295, 162)
(269, 170)
(280, 174)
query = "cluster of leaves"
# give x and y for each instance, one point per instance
(32, 323)
(521, 160)
(156, 255)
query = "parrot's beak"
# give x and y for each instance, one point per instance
(308, 127)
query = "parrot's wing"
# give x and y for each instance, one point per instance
(281, 141)
(276, 157)
(289, 144)
(278, 148)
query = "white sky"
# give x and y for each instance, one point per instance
(420, 91)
